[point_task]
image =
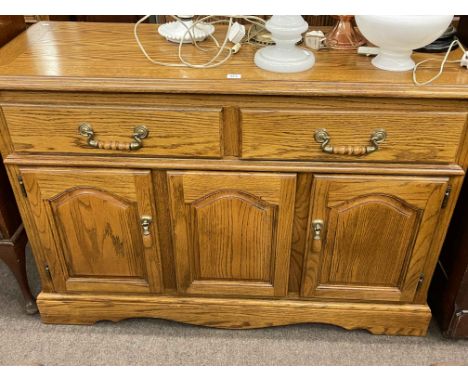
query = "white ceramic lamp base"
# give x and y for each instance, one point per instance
(175, 31)
(394, 61)
(285, 56)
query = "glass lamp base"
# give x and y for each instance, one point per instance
(291, 60)
(394, 61)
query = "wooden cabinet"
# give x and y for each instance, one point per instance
(370, 236)
(232, 232)
(272, 199)
(96, 228)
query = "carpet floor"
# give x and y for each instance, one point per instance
(24, 340)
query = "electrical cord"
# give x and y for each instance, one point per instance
(254, 20)
(210, 63)
(140, 45)
(444, 61)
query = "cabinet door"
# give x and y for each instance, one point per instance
(375, 236)
(90, 226)
(232, 232)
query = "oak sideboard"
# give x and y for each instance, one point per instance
(228, 197)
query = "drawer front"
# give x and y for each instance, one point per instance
(172, 132)
(410, 136)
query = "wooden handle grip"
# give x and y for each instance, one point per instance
(350, 150)
(321, 136)
(140, 132)
(113, 145)
(316, 245)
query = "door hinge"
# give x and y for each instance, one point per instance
(448, 191)
(48, 271)
(23, 188)
(420, 281)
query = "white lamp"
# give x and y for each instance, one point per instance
(397, 36)
(184, 30)
(285, 56)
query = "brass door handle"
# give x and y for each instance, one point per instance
(317, 226)
(145, 222)
(139, 133)
(321, 136)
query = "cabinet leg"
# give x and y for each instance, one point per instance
(14, 257)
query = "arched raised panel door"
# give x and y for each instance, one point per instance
(232, 232)
(370, 235)
(89, 224)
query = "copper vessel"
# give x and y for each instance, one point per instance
(343, 35)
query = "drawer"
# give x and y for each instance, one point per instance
(410, 136)
(172, 132)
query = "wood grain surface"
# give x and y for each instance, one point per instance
(10, 27)
(377, 235)
(300, 228)
(232, 180)
(171, 132)
(411, 136)
(90, 228)
(232, 232)
(239, 165)
(389, 319)
(105, 57)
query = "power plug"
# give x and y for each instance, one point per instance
(464, 60)
(314, 40)
(236, 48)
(236, 33)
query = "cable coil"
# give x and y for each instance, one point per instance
(214, 61)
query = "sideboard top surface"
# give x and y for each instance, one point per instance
(72, 56)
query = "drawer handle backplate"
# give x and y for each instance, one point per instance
(321, 136)
(139, 133)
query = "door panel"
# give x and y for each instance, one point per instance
(232, 232)
(375, 236)
(360, 254)
(95, 217)
(229, 220)
(109, 234)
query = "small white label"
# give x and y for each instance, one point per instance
(234, 75)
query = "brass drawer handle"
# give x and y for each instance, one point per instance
(140, 132)
(321, 136)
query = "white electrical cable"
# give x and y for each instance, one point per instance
(444, 61)
(221, 47)
(209, 64)
(135, 33)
